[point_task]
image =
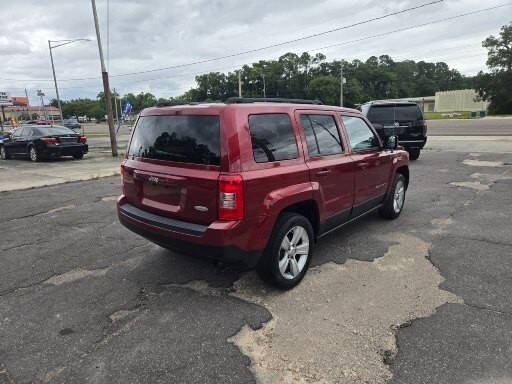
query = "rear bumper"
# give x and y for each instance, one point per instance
(413, 143)
(217, 240)
(65, 150)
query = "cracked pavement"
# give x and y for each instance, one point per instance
(424, 298)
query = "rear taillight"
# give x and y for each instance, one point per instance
(424, 128)
(49, 140)
(83, 140)
(231, 197)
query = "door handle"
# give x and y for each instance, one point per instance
(323, 172)
(362, 165)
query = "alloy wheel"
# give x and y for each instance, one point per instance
(33, 154)
(294, 252)
(399, 197)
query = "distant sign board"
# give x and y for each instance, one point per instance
(5, 99)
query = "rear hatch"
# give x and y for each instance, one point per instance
(405, 120)
(173, 165)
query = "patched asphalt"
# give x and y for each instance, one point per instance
(84, 300)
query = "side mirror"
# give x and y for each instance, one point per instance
(392, 142)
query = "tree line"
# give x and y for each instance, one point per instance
(308, 76)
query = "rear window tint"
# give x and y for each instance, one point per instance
(382, 114)
(390, 114)
(272, 138)
(52, 131)
(183, 139)
(408, 113)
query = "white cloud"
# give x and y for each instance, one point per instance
(158, 33)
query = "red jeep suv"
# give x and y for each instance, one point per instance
(256, 180)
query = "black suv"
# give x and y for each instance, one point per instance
(399, 118)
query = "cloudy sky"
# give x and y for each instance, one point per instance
(151, 34)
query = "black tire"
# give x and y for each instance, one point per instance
(414, 153)
(268, 267)
(33, 154)
(3, 154)
(391, 208)
(78, 156)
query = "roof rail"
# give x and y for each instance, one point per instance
(243, 100)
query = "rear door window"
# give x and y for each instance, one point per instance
(272, 138)
(183, 139)
(322, 135)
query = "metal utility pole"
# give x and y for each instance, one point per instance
(115, 106)
(264, 90)
(50, 47)
(106, 87)
(28, 105)
(239, 84)
(55, 82)
(341, 84)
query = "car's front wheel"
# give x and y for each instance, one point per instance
(288, 254)
(32, 153)
(395, 200)
(3, 153)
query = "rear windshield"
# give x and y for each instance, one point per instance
(183, 139)
(52, 131)
(390, 114)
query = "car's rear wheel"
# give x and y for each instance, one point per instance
(414, 153)
(32, 153)
(3, 153)
(78, 156)
(288, 254)
(395, 200)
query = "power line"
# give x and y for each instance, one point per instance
(413, 27)
(324, 47)
(255, 49)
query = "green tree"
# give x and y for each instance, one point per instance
(496, 86)
(306, 76)
(326, 89)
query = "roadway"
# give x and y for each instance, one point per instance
(424, 298)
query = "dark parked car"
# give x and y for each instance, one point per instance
(42, 141)
(258, 182)
(72, 124)
(403, 119)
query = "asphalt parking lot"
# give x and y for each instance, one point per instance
(422, 299)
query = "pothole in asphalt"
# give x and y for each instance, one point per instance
(337, 325)
(487, 178)
(482, 163)
(56, 210)
(476, 185)
(109, 198)
(441, 224)
(74, 275)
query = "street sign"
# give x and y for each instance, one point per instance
(5, 99)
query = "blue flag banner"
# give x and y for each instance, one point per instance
(126, 112)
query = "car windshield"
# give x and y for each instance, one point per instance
(52, 131)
